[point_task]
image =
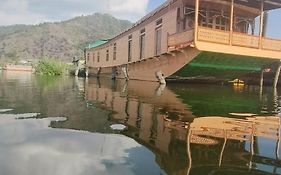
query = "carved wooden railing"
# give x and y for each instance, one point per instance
(223, 37)
(238, 39)
(213, 35)
(271, 44)
(244, 40)
(182, 38)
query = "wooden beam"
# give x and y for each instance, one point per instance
(196, 21)
(248, 9)
(231, 22)
(188, 140)
(223, 148)
(261, 79)
(261, 23)
(274, 3)
(277, 74)
(278, 138)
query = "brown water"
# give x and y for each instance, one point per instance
(63, 126)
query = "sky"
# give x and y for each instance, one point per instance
(38, 11)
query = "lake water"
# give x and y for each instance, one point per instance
(73, 126)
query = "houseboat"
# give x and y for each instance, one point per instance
(180, 33)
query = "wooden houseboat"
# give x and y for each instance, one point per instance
(179, 31)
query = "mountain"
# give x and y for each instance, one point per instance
(60, 40)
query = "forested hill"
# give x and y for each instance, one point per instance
(60, 40)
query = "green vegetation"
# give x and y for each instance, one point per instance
(60, 40)
(50, 67)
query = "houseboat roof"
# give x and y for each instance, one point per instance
(97, 43)
(256, 4)
(268, 4)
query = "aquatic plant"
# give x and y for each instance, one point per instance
(50, 67)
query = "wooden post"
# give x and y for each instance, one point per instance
(189, 151)
(223, 148)
(265, 23)
(278, 142)
(261, 79)
(196, 20)
(252, 151)
(277, 74)
(261, 23)
(261, 83)
(231, 22)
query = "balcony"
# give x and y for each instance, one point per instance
(238, 39)
(214, 40)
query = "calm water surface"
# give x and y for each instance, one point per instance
(63, 126)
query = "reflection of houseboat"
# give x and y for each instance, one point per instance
(260, 137)
(128, 99)
(154, 117)
(175, 34)
(182, 143)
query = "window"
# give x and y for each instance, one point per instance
(98, 56)
(159, 22)
(142, 43)
(107, 55)
(130, 48)
(221, 23)
(114, 51)
(93, 57)
(215, 20)
(179, 20)
(158, 37)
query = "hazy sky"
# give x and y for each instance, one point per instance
(37, 11)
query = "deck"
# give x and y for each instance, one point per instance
(214, 40)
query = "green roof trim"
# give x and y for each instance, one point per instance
(97, 43)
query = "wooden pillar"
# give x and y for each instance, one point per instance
(261, 83)
(278, 142)
(261, 23)
(223, 148)
(277, 74)
(261, 79)
(231, 22)
(252, 151)
(196, 20)
(189, 151)
(265, 23)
